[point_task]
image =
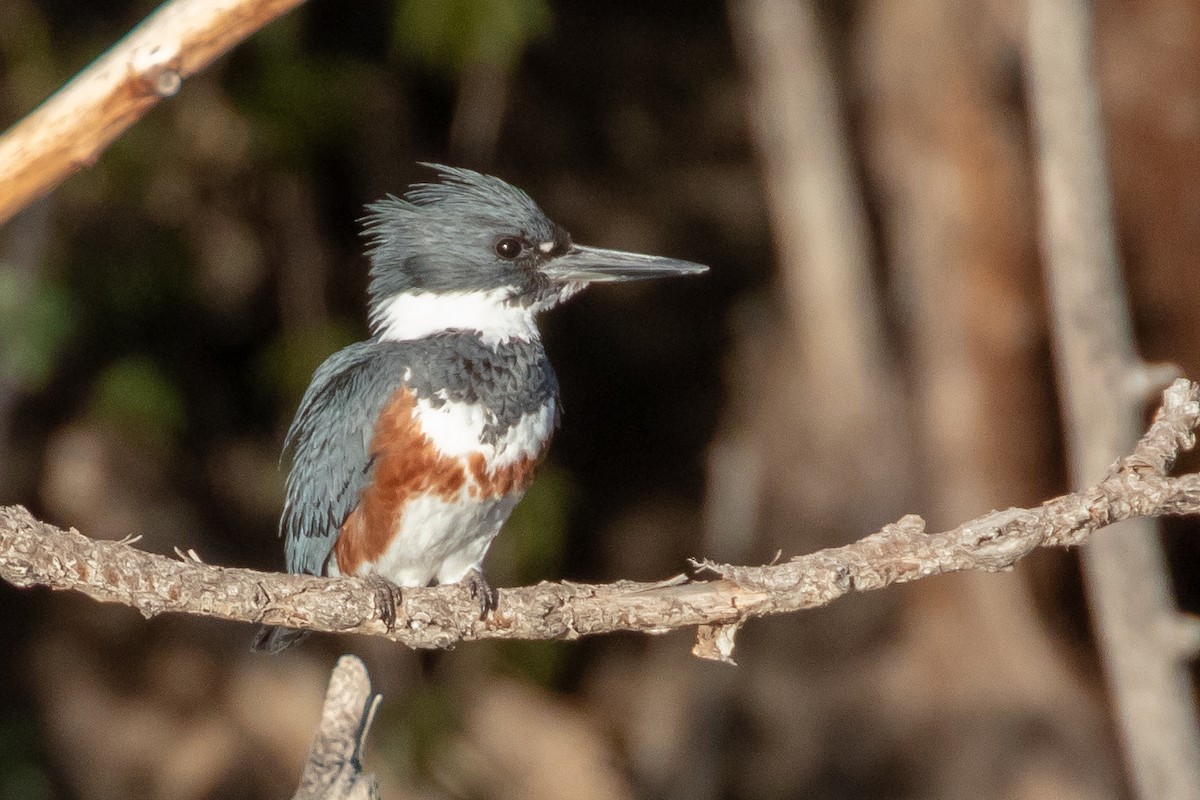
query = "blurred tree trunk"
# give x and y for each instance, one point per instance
(811, 453)
(946, 146)
(1146, 646)
(833, 389)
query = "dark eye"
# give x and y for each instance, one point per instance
(508, 248)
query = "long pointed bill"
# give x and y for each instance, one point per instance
(593, 264)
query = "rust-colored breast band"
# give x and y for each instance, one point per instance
(406, 464)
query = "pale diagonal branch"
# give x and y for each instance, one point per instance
(80, 120)
(34, 553)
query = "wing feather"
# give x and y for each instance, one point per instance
(330, 439)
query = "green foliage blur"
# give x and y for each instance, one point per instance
(35, 325)
(450, 35)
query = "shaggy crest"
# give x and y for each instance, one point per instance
(440, 236)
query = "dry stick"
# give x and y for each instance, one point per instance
(80, 120)
(333, 768)
(33, 553)
(1145, 644)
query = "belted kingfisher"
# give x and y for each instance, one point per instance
(412, 448)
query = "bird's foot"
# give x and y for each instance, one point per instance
(488, 597)
(387, 597)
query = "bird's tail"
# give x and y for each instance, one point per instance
(275, 639)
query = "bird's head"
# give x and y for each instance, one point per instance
(473, 252)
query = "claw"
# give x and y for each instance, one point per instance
(387, 597)
(488, 597)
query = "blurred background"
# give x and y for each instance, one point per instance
(871, 341)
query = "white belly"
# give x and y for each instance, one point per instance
(443, 540)
(440, 540)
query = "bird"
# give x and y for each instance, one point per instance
(411, 449)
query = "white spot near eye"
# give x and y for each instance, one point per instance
(546, 247)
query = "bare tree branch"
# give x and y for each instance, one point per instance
(80, 120)
(1144, 642)
(333, 768)
(34, 553)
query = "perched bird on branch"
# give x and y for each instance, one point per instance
(412, 448)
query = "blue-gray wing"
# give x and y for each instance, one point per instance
(330, 439)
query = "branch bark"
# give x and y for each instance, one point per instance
(34, 553)
(1146, 645)
(80, 120)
